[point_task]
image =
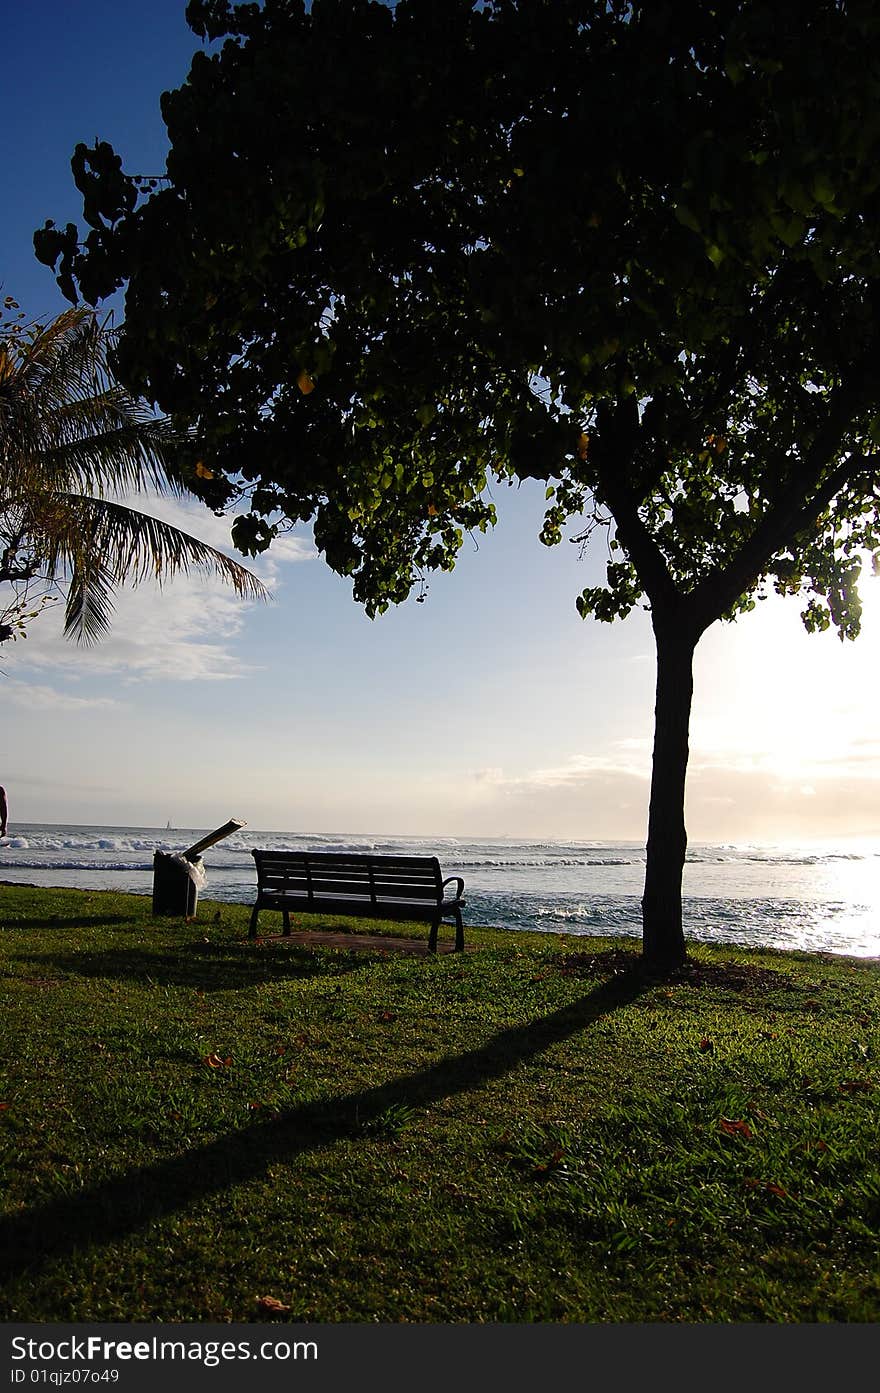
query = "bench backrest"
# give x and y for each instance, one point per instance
(331, 875)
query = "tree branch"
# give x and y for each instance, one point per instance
(792, 514)
(618, 432)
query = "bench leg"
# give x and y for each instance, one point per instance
(286, 914)
(459, 932)
(252, 927)
(432, 936)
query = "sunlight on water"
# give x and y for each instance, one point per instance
(821, 898)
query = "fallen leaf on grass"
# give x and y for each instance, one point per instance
(773, 1189)
(733, 1129)
(216, 1061)
(769, 1185)
(271, 1303)
(551, 1164)
(3, 1107)
(855, 1085)
(706, 1044)
(386, 1015)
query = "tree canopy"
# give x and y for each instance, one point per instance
(629, 249)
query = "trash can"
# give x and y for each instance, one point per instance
(178, 876)
(176, 883)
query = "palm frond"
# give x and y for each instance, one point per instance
(65, 360)
(115, 456)
(59, 409)
(70, 439)
(102, 544)
(137, 546)
(88, 612)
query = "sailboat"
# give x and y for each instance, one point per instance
(168, 827)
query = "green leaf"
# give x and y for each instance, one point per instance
(823, 190)
(687, 218)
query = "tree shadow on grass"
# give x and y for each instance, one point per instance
(129, 1202)
(201, 966)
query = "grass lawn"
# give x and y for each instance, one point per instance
(530, 1132)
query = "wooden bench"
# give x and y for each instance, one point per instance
(370, 887)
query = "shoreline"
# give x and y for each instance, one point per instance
(544, 935)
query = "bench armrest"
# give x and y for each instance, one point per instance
(459, 882)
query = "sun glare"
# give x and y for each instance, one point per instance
(794, 714)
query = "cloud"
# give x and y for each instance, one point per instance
(174, 637)
(625, 758)
(487, 776)
(37, 698)
(590, 796)
(188, 632)
(733, 804)
(731, 792)
(791, 760)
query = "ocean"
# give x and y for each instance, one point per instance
(819, 898)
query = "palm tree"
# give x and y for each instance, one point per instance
(71, 441)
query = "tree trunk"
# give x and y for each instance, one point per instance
(663, 944)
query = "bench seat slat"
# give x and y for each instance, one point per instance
(382, 877)
(330, 885)
(302, 899)
(407, 892)
(324, 884)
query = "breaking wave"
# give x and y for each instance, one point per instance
(821, 898)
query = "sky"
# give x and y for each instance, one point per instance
(490, 710)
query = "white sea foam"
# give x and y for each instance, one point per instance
(824, 898)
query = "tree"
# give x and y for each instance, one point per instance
(69, 436)
(626, 248)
